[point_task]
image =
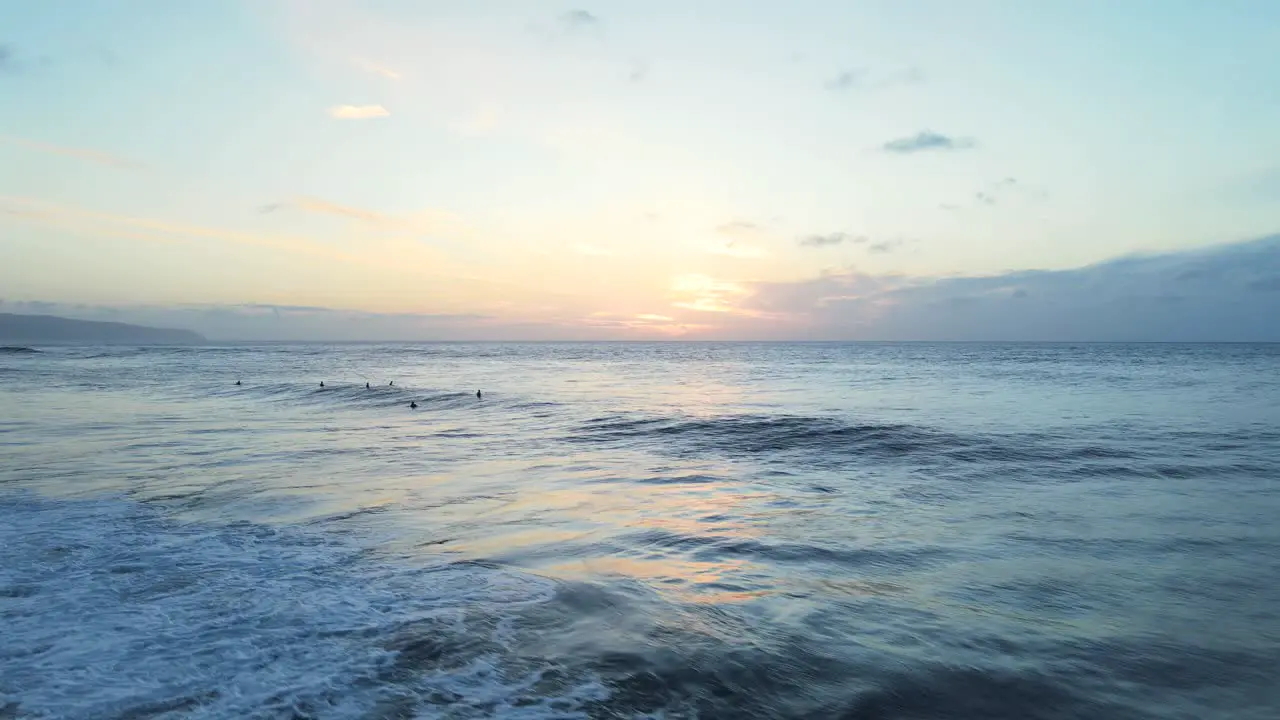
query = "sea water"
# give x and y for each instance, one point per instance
(860, 531)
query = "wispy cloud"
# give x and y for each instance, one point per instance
(325, 208)
(738, 249)
(372, 67)
(103, 224)
(847, 80)
(865, 79)
(926, 140)
(831, 240)
(739, 233)
(8, 58)
(12, 62)
(990, 196)
(906, 76)
(579, 19)
(699, 292)
(882, 247)
(426, 222)
(640, 323)
(86, 154)
(738, 228)
(1001, 191)
(358, 112)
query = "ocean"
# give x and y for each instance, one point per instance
(626, 530)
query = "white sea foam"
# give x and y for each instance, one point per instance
(238, 621)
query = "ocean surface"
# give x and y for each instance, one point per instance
(855, 531)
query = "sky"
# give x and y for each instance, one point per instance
(701, 169)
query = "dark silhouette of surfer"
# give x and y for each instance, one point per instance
(321, 383)
(391, 384)
(478, 395)
(366, 386)
(413, 404)
(237, 382)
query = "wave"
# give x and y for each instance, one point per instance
(110, 610)
(832, 443)
(17, 350)
(353, 396)
(809, 441)
(819, 439)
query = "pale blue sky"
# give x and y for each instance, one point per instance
(623, 168)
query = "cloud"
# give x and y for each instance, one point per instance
(846, 80)
(831, 240)
(862, 78)
(426, 222)
(738, 232)
(102, 224)
(907, 76)
(927, 140)
(13, 63)
(995, 191)
(579, 19)
(324, 207)
(307, 323)
(1002, 190)
(738, 249)
(1221, 293)
(699, 292)
(886, 246)
(737, 228)
(86, 154)
(372, 67)
(358, 112)
(643, 323)
(842, 238)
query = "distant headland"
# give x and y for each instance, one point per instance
(51, 330)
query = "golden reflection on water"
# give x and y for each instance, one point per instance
(575, 526)
(686, 580)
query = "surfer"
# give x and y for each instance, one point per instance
(366, 386)
(413, 404)
(237, 382)
(321, 383)
(391, 384)
(477, 394)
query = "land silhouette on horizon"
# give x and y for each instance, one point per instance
(53, 330)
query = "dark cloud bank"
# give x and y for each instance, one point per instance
(1223, 293)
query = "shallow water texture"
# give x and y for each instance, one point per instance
(866, 531)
